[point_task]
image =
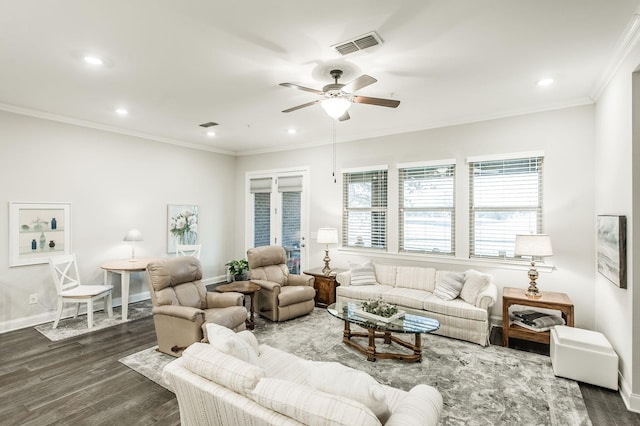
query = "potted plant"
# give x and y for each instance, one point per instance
(238, 269)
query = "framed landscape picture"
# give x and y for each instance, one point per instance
(612, 249)
(38, 231)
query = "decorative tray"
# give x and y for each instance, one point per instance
(367, 315)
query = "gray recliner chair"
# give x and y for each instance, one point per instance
(182, 306)
(282, 295)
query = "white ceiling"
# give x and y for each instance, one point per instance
(177, 64)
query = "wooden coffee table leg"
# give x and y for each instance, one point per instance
(251, 324)
(418, 347)
(387, 338)
(371, 350)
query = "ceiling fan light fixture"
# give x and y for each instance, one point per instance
(335, 107)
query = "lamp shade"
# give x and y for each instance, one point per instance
(534, 245)
(133, 235)
(327, 236)
(335, 107)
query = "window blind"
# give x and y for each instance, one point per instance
(260, 185)
(505, 200)
(364, 221)
(427, 209)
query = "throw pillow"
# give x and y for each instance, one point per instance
(337, 379)
(449, 285)
(228, 342)
(474, 284)
(363, 275)
(226, 370)
(310, 406)
(250, 339)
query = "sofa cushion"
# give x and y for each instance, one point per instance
(474, 283)
(335, 378)
(310, 406)
(455, 308)
(283, 365)
(364, 292)
(416, 277)
(250, 339)
(230, 343)
(226, 370)
(421, 405)
(385, 274)
(448, 285)
(363, 275)
(408, 297)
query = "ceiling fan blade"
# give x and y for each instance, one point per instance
(344, 116)
(360, 82)
(376, 101)
(301, 106)
(306, 89)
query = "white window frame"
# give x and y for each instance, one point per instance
(435, 201)
(508, 204)
(382, 205)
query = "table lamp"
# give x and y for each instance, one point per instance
(327, 236)
(133, 235)
(533, 245)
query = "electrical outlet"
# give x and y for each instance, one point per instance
(33, 299)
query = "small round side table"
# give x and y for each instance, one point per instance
(244, 287)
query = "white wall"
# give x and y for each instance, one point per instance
(114, 183)
(567, 138)
(617, 153)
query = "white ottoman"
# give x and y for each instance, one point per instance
(583, 355)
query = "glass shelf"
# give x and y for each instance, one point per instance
(27, 250)
(33, 231)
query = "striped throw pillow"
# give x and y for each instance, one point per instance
(363, 275)
(449, 286)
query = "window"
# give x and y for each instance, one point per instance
(505, 200)
(261, 190)
(364, 221)
(427, 208)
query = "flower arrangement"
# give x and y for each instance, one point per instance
(380, 307)
(184, 226)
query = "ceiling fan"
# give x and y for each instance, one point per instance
(339, 97)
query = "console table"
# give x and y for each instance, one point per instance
(547, 300)
(325, 286)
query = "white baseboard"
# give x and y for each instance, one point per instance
(631, 400)
(50, 316)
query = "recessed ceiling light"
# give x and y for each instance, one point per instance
(122, 111)
(93, 60)
(291, 131)
(545, 82)
(211, 133)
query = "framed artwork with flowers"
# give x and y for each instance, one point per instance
(182, 225)
(38, 231)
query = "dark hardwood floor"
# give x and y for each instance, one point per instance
(79, 381)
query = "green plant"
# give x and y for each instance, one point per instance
(237, 267)
(380, 307)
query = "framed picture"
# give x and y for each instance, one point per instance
(38, 231)
(612, 249)
(182, 225)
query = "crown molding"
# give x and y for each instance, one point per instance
(93, 125)
(627, 41)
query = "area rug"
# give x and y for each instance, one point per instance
(71, 327)
(479, 386)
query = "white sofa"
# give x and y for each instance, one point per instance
(233, 381)
(465, 317)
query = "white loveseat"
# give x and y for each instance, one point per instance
(233, 381)
(465, 317)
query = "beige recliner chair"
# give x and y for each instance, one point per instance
(182, 305)
(282, 295)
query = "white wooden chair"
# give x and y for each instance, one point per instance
(188, 250)
(64, 271)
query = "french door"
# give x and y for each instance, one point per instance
(277, 213)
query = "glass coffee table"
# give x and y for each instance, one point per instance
(414, 322)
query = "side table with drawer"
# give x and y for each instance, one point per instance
(325, 286)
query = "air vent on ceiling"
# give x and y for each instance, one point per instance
(359, 43)
(209, 124)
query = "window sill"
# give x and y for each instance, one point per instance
(450, 260)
